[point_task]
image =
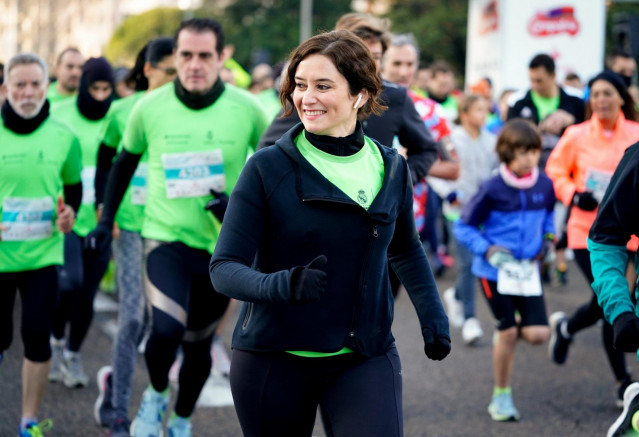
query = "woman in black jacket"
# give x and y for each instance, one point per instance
(304, 244)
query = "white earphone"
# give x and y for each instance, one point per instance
(359, 99)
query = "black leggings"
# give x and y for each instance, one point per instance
(589, 313)
(38, 291)
(277, 394)
(79, 281)
(185, 311)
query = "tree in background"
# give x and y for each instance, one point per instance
(137, 30)
(438, 26)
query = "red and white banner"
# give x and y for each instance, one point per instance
(504, 35)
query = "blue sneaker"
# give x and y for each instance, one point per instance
(502, 409)
(148, 422)
(179, 426)
(36, 429)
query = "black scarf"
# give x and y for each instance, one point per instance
(198, 101)
(339, 146)
(21, 125)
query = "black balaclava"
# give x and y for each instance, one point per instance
(95, 69)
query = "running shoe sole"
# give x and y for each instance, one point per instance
(630, 406)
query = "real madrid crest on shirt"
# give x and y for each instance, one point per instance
(362, 198)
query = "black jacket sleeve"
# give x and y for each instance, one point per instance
(278, 127)
(408, 260)
(618, 215)
(421, 149)
(117, 184)
(105, 161)
(73, 196)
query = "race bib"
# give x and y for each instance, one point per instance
(193, 174)
(27, 218)
(88, 185)
(138, 184)
(519, 278)
(597, 182)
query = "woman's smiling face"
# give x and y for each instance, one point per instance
(322, 98)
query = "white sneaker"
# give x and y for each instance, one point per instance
(74, 376)
(454, 308)
(57, 350)
(471, 331)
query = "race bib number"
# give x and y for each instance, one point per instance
(597, 182)
(193, 174)
(138, 184)
(26, 218)
(88, 185)
(519, 278)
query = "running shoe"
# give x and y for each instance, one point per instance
(73, 372)
(120, 427)
(621, 389)
(179, 426)
(148, 422)
(471, 331)
(103, 411)
(561, 273)
(629, 418)
(221, 359)
(558, 344)
(34, 429)
(502, 409)
(454, 308)
(57, 351)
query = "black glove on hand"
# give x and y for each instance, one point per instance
(99, 239)
(626, 332)
(436, 348)
(585, 200)
(218, 204)
(309, 282)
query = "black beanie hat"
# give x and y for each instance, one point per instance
(612, 78)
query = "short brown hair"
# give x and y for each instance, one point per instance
(366, 27)
(351, 58)
(517, 134)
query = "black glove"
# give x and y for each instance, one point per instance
(309, 282)
(626, 332)
(99, 239)
(436, 348)
(585, 200)
(218, 204)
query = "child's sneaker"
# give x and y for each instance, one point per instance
(148, 422)
(72, 370)
(57, 351)
(34, 429)
(502, 409)
(103, 408)
(629, 418)
(179, 426)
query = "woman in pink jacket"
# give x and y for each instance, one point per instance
(580, 167)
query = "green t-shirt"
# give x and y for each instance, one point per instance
(360, 176)
(88, 133)
(131, 212)
(189, 152)
(54, 96)
(545, 105)
(33, 169)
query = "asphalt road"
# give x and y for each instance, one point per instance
(447, 398)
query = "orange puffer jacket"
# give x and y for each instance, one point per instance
(585, 156)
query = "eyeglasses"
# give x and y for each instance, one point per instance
(169, 71)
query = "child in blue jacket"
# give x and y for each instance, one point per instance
(508, 226)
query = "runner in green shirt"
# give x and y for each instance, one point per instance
(155, 66)
(68, 69)
(83, 270)
(198, 133)
(40, 162)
